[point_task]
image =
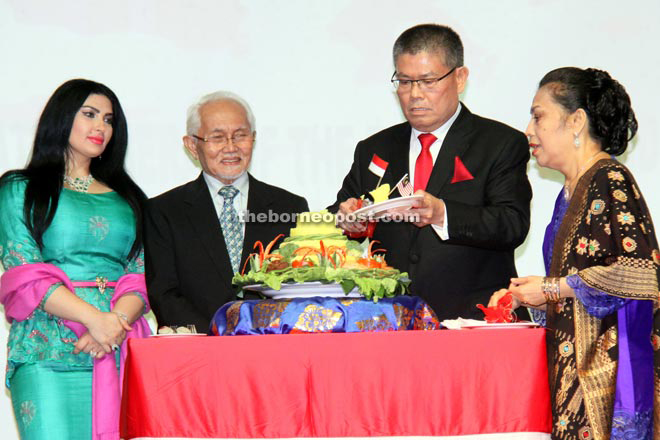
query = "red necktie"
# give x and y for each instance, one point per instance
(424, 163)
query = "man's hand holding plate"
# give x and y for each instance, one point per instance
(347, 207)
(428, 211)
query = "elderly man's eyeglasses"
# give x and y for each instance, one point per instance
(426, 84)
(238, 138)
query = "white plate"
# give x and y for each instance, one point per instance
(503, 325)
(304, 290)
(176, 335)
(379, 210)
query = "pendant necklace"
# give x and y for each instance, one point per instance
(567, 189)
(79, 184)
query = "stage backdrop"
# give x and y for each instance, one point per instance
(316, 74)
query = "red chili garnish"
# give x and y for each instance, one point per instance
(265, 253)
(302, 263)
(246, 262)
(271, 244)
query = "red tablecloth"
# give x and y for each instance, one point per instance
(415, 383)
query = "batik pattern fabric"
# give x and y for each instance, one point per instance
(90, 236)
(603, 345)
(596, 302)
(322, 315)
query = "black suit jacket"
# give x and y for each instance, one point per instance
(187, 264)
(488, 215)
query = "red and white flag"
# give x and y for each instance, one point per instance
(378, 166)
(405, 187)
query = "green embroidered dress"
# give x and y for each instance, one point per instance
(90, 236)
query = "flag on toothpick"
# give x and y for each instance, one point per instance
(405, 187)
(378, 166)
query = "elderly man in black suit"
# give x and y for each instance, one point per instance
(197, 235)
(459, 246)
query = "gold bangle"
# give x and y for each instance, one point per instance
(550, 289)
(557, 286)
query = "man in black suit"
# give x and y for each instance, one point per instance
(458, 245)
(195, 239)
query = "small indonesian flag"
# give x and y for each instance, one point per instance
(405, 187)
(378, 166)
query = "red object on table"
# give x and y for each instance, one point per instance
(502, 312)
(411, 383)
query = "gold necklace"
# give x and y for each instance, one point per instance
(567, 186)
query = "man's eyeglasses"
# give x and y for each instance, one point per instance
(238, 138)
(426, 84)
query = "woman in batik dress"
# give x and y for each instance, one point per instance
(73, 287)
(599, 299)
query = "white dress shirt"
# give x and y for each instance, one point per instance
(242, 184)
(416, 148)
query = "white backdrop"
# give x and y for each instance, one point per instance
(316, 74)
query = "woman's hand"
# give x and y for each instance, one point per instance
(87, 344)
(108, 329)
(499, 294)
(528, 290)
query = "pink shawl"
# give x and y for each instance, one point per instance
(21, 290)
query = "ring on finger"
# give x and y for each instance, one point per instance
(92, 353)
(115, 347)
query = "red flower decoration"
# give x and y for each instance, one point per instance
(502, 312)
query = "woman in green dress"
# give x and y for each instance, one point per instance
(70, 245)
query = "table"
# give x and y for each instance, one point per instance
(414, 383)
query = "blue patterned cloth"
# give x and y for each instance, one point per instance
(323, 315)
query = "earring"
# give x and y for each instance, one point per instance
(576, 140)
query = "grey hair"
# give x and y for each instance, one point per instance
(193, 120)
(431, 38)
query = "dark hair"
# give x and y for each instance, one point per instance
(431, 38)
(607, 105)
(45, 170)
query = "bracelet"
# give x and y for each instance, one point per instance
(557, 286)
(550, 289)
(121, 315)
